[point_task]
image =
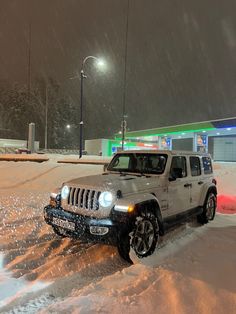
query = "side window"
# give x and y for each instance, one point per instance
(195, 166)
(207, 165)
(178, 167)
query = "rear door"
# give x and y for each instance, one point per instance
(196, 180)
(179, 188)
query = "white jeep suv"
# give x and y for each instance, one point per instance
(137, 198)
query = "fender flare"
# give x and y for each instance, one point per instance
(205, 190)
(138, 202)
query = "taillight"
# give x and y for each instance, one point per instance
(214, 181)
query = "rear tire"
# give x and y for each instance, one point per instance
(209, 209)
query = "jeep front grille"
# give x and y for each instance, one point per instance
(82, 198)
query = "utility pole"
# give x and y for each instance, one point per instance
(123, 123)
(29, 65)
(46, 118)
(123, 131)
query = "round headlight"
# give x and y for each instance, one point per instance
(105, 199)
(65, 192)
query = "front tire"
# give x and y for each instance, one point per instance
(123, 247)
(209, 209)
(145, 235)
(142, 239)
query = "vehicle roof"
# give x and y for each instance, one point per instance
(168, 152)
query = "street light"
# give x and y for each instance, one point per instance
(100, 63)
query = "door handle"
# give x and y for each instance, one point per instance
(200, 182)
(187, 185)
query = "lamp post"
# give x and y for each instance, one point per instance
(82, 77)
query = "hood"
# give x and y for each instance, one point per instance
(114, 182)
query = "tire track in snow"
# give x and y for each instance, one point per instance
(62, 287)
(34, 305)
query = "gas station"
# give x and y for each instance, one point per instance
(218, 137)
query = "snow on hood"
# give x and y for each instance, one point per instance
(113, 182)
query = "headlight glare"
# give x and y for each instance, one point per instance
(105, 199)
(65, 192)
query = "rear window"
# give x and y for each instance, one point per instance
(207, 165)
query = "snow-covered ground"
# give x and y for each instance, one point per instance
(193, 270)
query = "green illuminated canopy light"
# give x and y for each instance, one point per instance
(190, 127)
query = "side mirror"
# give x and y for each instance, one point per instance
(105, 167)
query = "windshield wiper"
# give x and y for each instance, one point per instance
(122, 173)
(131, 173)
(142, 174)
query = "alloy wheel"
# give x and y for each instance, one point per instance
(210, 206)
(143, 237)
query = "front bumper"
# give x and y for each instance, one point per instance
(82, 225)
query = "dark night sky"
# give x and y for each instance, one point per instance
(181, 62)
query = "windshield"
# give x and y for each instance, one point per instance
(139, 163)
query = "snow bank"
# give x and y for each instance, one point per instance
(226, 204)
(226, 184)
(187, 280)
(23, 157)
